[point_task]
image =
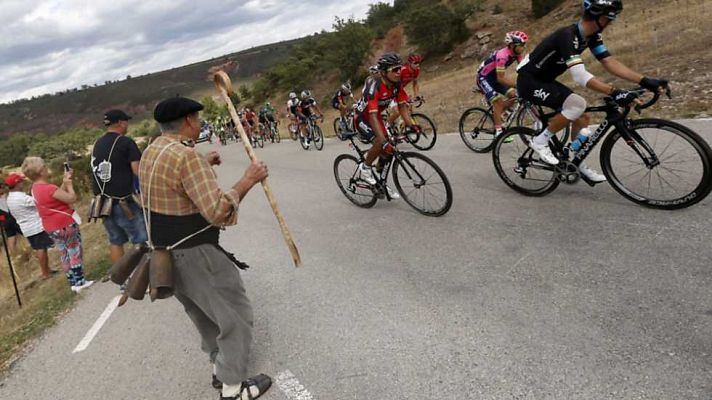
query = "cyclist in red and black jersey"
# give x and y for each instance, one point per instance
(561, 51)
(338, 102)
(409, 73)
(379, 91)
(304, 111)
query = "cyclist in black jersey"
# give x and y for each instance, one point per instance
(561, 51)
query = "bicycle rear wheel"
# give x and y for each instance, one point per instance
(337, 128)
(519, 167)
(348, 178)
(422, 184)
(275, 133)
(425, 140)
(260, 140)
(318, 137)
(477, 129)
(666, 165)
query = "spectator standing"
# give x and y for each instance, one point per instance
(23, 209)
(54, 208)
(114, 163)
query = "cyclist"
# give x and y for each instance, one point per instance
(373, 70)
(499, 90)
(378, 93)
(409, 73)
(304, 112)
(561, 51)
(292, 105)
(339, 102)
(266, 114)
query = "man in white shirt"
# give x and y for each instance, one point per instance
(23, 208)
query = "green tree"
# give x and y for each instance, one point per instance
(212, 110)
(380, 18)
(13, 150)
(435, 29)
(347, 47)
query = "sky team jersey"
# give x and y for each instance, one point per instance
(498, 62)
(560, 51)
(377, 96)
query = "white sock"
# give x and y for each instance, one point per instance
(543, 138)
(234, 390)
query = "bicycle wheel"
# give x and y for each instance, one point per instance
(422, 184)
(348, 178)
(477, 129)
(337, 128)
(425, 140)
(260, 140)
(678, 172)
(318, 137)
(519, 167)
(303, 140)
(275, 133)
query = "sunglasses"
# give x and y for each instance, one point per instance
(394, 69)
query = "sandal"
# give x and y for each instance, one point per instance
(261, 381)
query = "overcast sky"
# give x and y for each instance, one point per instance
(51, 45)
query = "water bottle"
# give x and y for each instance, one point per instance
(580, 139)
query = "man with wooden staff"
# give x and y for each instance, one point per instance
(181, 192)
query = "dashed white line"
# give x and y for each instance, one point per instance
(291, 387)
(84, 343)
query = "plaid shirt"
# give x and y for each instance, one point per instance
(184, 183)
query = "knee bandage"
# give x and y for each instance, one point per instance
(574, 107)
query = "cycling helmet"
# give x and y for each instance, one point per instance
(267, 104)
(516, 37)
(415, 59)
(389, 60)
(292, 95)
(373, 69)
(305, 94)
(346, 87)
(606, 8)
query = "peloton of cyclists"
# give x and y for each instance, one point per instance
(304, 112)
(338, 102)
(561, 51)
(499, 90)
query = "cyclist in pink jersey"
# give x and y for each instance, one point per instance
(499, 90)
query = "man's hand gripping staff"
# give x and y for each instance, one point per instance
(224, 87)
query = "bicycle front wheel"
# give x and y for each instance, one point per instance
(348, 178)
(422, 184)
(666, 165)
(477, 129)
(260, 141)
(318, 137)
(425, 140)
(519, 167)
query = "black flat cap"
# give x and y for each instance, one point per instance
(114, 116)
(175, 108)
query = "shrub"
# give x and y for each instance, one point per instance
(542, 7)
(436, 28)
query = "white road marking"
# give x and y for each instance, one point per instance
(291, 387)
(84, 343)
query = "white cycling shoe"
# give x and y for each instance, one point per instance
(393, 194)
(591, 174)
(366, 174)
(544, 152)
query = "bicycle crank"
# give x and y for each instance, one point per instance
(567, 172)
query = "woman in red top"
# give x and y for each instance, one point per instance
(53, 205)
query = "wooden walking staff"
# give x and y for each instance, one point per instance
(224, 86)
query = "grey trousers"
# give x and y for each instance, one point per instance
(209, 286)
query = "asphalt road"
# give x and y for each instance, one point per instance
(577, 295)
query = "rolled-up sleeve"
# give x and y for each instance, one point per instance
(201, 185)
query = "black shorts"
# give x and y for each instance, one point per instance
(40, 241)
(335, 103)
(10, 225)
(547, 94)
(263, 120)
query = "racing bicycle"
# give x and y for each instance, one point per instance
(652, 162)
(313, 134)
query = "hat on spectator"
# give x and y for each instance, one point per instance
(175, 108)
(13, 178)
(114, 116)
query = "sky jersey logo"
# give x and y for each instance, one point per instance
(542, 94)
